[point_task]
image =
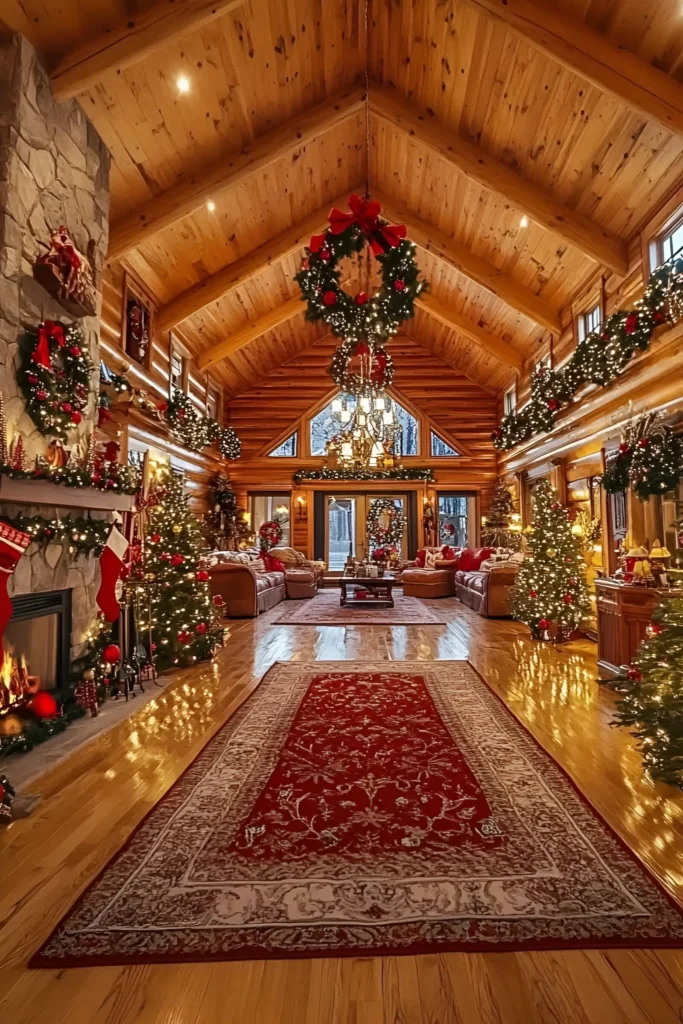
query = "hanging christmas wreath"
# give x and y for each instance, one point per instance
(359, 369)
(360, 316)
(55, 377)
(196, 431)
(650, 459)
(385, 523)
(270, 534)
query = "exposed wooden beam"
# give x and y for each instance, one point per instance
(226, 280)
(497, 177)
(245, 335)
(190, 195)
(643, 88)
(466, 262)
(131, 40)
(490, 343)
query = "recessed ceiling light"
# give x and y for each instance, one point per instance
(524, 222)
(211, 206)
(183, 83)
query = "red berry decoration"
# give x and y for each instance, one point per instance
(41, 395)
(218, 601)
(76, 416)
(634, 674)
(177, 560)
(330, 298)
(533, 594)
(568, 598)
(155, 538)
(631, 325)
(200, 628)
(553, 404)
(44, 705)
(325, 254)
(165, 557)
(644, 442)
(544, 624)
(111, 653)
(75, 351)
(202, 576)
(399, 285)
(66, 407)
(31, 378)
(183, 636)
(361, 298)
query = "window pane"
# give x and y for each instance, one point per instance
(440, 448)
(453, 520)
(328, 422)
(286, 450)
(406, 435)
(510, 401)
(268, 507)
(677, 240)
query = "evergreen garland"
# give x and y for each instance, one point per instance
(196, 431)
(399, 473)
(650, 459)
(83, 535)
(119, 479)
(599, 358)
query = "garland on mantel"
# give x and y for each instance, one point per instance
(84, 535)
(400, 473)
(118, 478)
(599, 358)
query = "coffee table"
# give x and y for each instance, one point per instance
(379, 587)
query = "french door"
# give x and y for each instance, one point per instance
(345, 526)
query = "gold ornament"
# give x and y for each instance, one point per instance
(89, 675)
(11, 725)
(551, 552)
(177, 528)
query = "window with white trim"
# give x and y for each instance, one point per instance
(669, 243)
(510, 400)
(589, 321)
(545, 361)
(213, 401)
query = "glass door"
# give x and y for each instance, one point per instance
(401, 503)
(346, 530)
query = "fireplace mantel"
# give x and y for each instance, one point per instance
(43, 492)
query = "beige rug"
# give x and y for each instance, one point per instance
(324, 610)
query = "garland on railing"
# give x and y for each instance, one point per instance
(196, 431)
(400, 473)
(650, 459)
(599, 358)
(84, 535)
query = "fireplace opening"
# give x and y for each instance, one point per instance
(37, 647)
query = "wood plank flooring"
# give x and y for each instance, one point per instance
(94, 799)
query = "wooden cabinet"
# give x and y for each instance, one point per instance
(623, 617)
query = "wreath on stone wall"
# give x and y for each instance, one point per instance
(55, 376)
(380, 534)
(360, 316)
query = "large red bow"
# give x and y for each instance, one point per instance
(47, 330)
(365, 214)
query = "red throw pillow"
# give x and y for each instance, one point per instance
(447, 553)
(273, 564)
(481, 555)
(420, 558)
(466, 562)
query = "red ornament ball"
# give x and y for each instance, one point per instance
(32, 379)
(624, 448)
(325, 254)
(399, 285)
(177, 559)
(154, 538)
(165, 557)
(183, 636)
(44, 705)
(568, 598)
(41, 395)
(634, 674)
(200, 628)
(218, 601)
(330, 298)
(361, 298)
(553, 405)
(66, 407)
(202, 576)
(644, 442)
(75, 351)
(112, 653)
(76, 416)
(544, 624)
(533, 594)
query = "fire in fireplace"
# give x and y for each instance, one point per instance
(16, 685)
(37, 645)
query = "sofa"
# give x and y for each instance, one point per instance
(295, 560)
(437, 581)
(485, 585)
(246, 589)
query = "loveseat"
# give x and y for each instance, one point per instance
(437, 580)
(246, 590)
(487, 591)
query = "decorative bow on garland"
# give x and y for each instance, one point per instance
(46, 331)
(360, 317)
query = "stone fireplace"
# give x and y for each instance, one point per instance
(54, 170)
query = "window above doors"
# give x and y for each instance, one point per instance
(287, 449)
(333, 419)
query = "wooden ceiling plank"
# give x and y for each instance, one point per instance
(188, 196)
(217, 285)
(466, 262)
(643, 88)
(132, 39)
(250, 332)
(490, 344)
(497, 177)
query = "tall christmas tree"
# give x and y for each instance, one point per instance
(550, 594)
(652, 701)
(185, 618)
(496, 529)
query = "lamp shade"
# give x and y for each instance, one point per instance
(636, 553)
(658, 551)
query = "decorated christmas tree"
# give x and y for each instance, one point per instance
(652, 694)
(496, 531)
(550, 594)
(185, 618)
(224, 525)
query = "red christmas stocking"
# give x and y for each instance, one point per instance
(111, 564)
(13, 543)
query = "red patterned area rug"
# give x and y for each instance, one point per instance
(324, 610)
(367, 808)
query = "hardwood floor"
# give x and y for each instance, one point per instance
(94, 799)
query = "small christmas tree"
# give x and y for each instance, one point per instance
(550, 594)
(652, 694)
(224, 525)
(496, 530)
(185, 620)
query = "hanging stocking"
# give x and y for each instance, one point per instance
(111, 564)
(13, 543)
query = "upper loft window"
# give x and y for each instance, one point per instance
(177, 370)
(286, 450)
(510, 400)
(589, 321)
(545, 361)
(440, 448)
(213, 401)
(669, 243)
(336, 416)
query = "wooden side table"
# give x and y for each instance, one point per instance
(624, 614)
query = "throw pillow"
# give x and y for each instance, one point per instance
(273, 564)
(447, 553)
(420, 559)
(467, 560)
(430, 560)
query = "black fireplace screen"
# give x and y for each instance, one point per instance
(39, 636)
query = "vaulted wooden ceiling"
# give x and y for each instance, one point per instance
(481, 112)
